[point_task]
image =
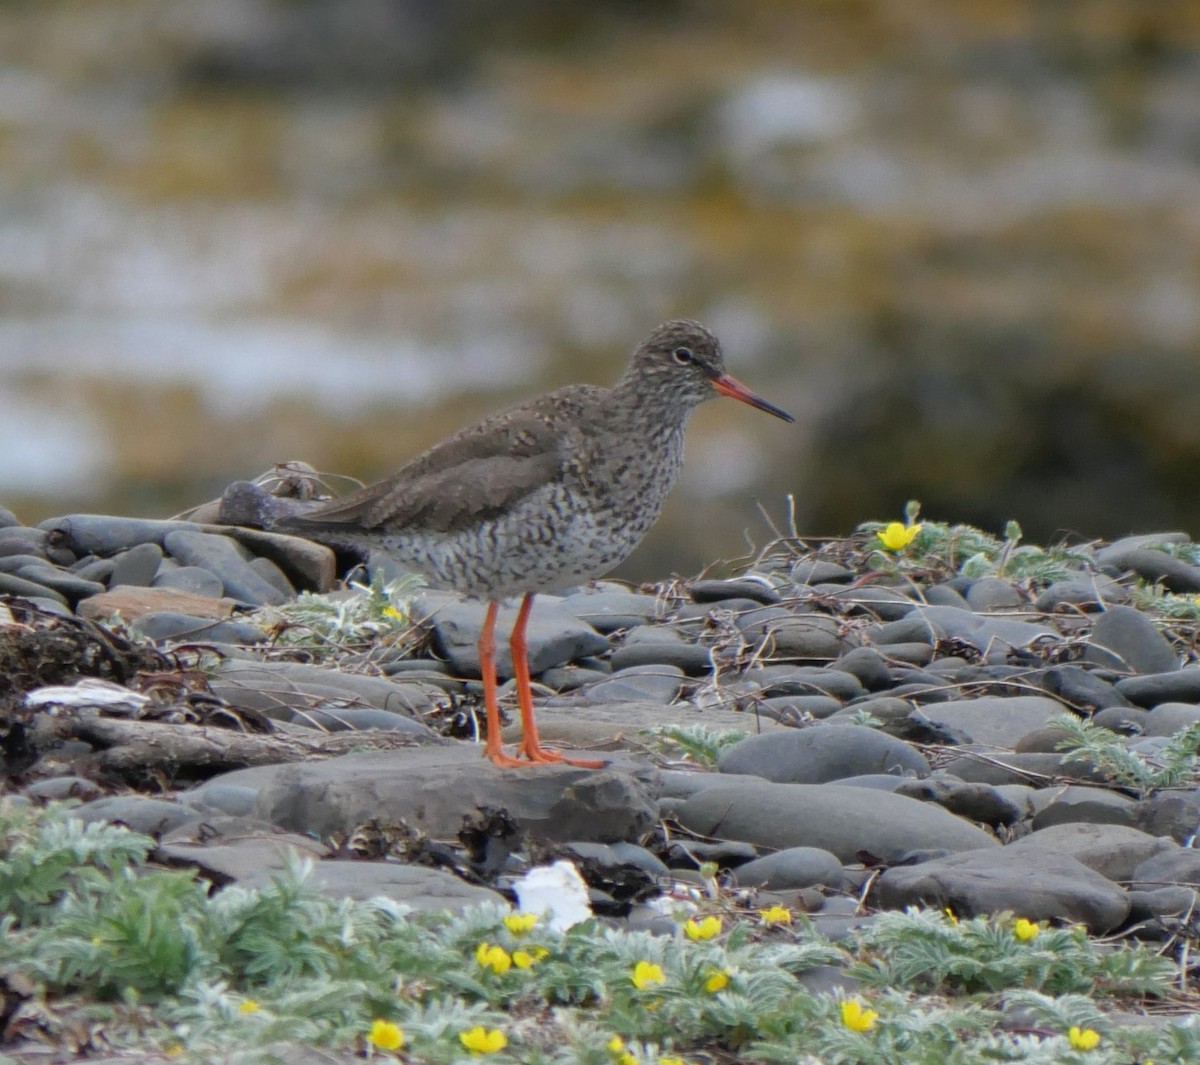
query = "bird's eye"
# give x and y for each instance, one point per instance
(683, 356)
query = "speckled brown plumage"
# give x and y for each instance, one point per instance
(557, 490)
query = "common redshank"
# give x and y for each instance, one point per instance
(552, 492)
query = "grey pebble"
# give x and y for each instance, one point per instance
(607, 611)
(192, 579)
(992, 593)
(1113, 851)
(54, 789)
(11, 584)
(1133, 640)
(137, 566)
(1083, 593)
(1079, 688)
(946, 595)
(152, 817)
(820, 754)
(1177, 686)
(888, 604)
(651, 683)
(820, 571)
(868, 665)
(795, 636)
(222, 556)
(163, 625)
(103, 534)
(1151, 565)
(803, 680)
(94, 569)
(1077, 803)
(57, 580)
(795, 708)
(273, 575)
(793, 868)
(975, 802)
(714, 591)
(652, 644)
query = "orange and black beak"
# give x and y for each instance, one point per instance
(730, 386)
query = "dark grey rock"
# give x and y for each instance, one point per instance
(1036, 883)
(555, 637)
(1177, 686)
(637, 855)
(94, 569)
(793, 868)
(844, 821)
(11, 584)
(55, 789)
(1169, 901)
(975, 802)
(1170, 813)
(1079, 688)
(803, 680)
(151, 817)
(1134, 641)
(19, 540)
(912, 654)
(273, 575)
(163, 625)
(1113, 851)
(607, 611)
(1151, 565)
(303, 563)
(946, 595)
(1036, 769)
(103, 534)
(193, 579)
(713, 591)
(8, 518)
(819, 571)
(356, 718)
(794, 636)
(868, 665)
(137, 566)
(16, 562)
(1168, 718)
(1077, 803)
(993, 720)
(724, 853)
(793, 709)
(433, 788)
(992, 593)
(819, 754)
(1180, 866)
(1081, 593)
(655, 684)
(226, 799)
(57, 580)
(654, 645)
(220, 555)
(1126, 720)
(885, 603)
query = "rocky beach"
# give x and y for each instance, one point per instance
(918, 717)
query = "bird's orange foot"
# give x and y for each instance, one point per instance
(535, 752)
(505, 761)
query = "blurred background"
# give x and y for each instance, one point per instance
(960, 242)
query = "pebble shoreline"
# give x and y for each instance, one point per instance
(901, 749)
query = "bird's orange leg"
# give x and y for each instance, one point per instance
(531, 744)
(487, 669)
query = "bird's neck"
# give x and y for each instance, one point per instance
(643, 406)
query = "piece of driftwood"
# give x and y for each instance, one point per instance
(137, 749)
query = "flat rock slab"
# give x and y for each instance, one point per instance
(994, 720)
(228, 858)
(1113, 851)
(1032, 882)
(821, 753)
(133, 602)
(433, 788)
(841, 820)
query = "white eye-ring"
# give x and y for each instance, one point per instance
(683, 356)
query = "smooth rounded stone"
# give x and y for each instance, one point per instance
(844, 821)
(137, 566)
(636, 855)
(151, 817)
(425, 670)
(792, 708)
(233, 848)
(945, 595)
(11, 584)
(819, 754)
(684, 783)
(654, 645)
(1126, 720)
(608, 611)
(912, 654)
(555, 636)
(899, 718)
(57, 580)
(1168, 718)
(1020, 794)
(868, 665)
(655, 684)
(1169, 901)
(193, 579)
(975, 802)
(993, 720)
(1176, 686)
(301, 687)
(1170, 813)
(793, 868)
(1036, 883)
(1079, 688)
(432, 788)
(1113, 851)
(1150, 539)
(1036, 769)
(790, 635)
(227, 799)
(273, 575)
(104, 534)
(56, 789)
(884, 603)
(878, 781)
(1081, 593)
(803, 680)
(567, 678)
(20, 540)
(1077, 803)
(820, 571)
(714, 591)
(1048, 739)
(222, 556)
(929, 690)
(15, 563)
(164, 625)
(1133, 639)
(1151, 565)
(992, 593)
(8, 518)
(99, 570)
(725, 853)
(1178, 866)
(304, 563)
(954, 670)
(354, 719)
(928, 624)
(698, 617)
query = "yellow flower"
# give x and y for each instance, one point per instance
(647, 974)
(951, 916)
(394, 614)
(520, 923)
(480, 1040)
(524, 959)
(1025, 930)
(174, 1050)
(385, 1035)
(717, 979)
(492, 957)
(248, 1005)
(615, 1045)
(856, 1017)
(897, 536)
(671, 1061)
(1083, 1038)
(775, 915)
(705, 928)
(627, 1059)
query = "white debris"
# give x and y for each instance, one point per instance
(556, 892)
(87, 692)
